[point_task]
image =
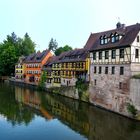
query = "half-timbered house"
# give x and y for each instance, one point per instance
(115, 58)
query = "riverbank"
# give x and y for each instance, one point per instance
(74, 93)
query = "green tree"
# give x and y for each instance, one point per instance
(27, 46)
(11, 49)
(8, 59)
(53, 45)
(62, 49)
(41, 85)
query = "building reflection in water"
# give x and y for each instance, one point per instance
(92, 122)
(31, 99)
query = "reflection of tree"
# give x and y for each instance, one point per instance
(14, 112)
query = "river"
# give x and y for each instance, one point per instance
(26, 114)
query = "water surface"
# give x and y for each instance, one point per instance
(26, 114)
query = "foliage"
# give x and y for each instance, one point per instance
(136, 76)
(82, 86)
(41, 85)
(62, 49)
(11, 49)
(8, 59)
(15, 112)
(53, 45)
(28, 46)
(131, 109)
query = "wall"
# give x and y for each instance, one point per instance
(117, 60)
(135, 92)
(107, 92)
(68, 82)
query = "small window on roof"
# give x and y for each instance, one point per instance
(105, 40)
(101, 40)
(116, 37)
(112, 38)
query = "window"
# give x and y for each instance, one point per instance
(112, 38)
(121, 70)
(106, 70)
(136, 53)
(95, 82)
(100, 55)
(105, 40)
(113, 70)
(120, 85)
(95, 69)
(138, 40)
(113, 54)
(94, 55)
(100, 70)
(106, 54)
(66, 65)
(121, 53)
(101, 40)
(116, 37)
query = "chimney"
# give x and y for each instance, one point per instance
(119, 25)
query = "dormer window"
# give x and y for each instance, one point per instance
(101, 40)
(105, 40)
(116, 37)
(112, 38)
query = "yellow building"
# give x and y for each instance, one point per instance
(64, 70)
(19, 69)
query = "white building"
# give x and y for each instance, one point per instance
(115, 58)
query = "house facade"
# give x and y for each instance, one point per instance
(74, 65)
(19, 69)
(34, 64)
(115, 58)
(48, 69)
(65, 69)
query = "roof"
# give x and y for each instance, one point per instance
(51, 60)
(128, 33)
(76, 55)
(21, 60)
(36, 57)
(73, 56)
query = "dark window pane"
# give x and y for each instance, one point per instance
(106, 54)
(100, 70)
(138, 40)
(121, 53)
(106, 70)
(113, 70)
(94, 55)
(100, 55)
(94, 69)
(121, 70)
(95, 82)
(113, 54)
(136, 53)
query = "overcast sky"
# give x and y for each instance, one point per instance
(68, 21)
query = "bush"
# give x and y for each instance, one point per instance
(41, 85)
(82, 86)
(136, 76)
(131, 109)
